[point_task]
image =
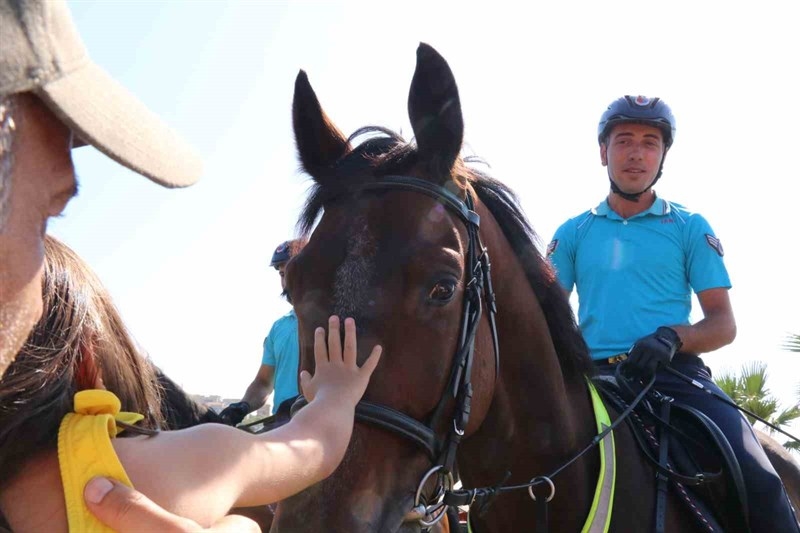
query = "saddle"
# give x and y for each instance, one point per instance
(700, 465)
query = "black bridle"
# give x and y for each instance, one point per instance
(442, 450)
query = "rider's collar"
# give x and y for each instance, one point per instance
(659, 208)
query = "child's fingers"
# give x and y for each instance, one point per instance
(320, 350)
(350, 350)
(334, 339)
(305, 385)
(372, 361)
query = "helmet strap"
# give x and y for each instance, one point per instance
(634, 197)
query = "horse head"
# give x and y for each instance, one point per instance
(400, 238)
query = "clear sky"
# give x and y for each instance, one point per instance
(189, 268)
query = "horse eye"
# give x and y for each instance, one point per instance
(443, 291)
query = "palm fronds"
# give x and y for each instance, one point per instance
(749, 390)
(791, 343)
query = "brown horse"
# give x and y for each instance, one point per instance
(785, 465)
(399, 248)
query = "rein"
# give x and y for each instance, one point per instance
(482, 497)
(725, 400)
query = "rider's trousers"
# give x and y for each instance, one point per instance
(770, 510)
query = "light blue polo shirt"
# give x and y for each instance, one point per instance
(635, 275)
(282, 350)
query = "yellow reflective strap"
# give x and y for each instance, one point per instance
(600, 513)
(599, 517)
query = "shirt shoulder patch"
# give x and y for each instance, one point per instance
(552, 247)
(714, 243)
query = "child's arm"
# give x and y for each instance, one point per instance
(202, 472)
(127, 510)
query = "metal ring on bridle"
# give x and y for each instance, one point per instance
(429, 509)
(549, 482)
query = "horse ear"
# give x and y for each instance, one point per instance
(435, 112)
(319, 143)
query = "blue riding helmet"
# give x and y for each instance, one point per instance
(281, 254)
(639, 110)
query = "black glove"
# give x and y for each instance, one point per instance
(652, 352)
(235, 413)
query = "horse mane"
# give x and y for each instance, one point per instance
(180, 410)
(502, 202)
(385, 152)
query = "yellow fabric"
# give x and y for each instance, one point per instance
(85, 451)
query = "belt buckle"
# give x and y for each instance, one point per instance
(617, 358)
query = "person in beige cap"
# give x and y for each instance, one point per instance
(54, 98)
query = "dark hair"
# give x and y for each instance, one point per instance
(79, 336)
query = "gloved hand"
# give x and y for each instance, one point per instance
(652, 352)
(235, 413)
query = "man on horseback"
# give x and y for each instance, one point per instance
(635, 259)
(279, 362)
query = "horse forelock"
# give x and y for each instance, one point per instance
(381, 152)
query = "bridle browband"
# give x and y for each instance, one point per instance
(442, 451)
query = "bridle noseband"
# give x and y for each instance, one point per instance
(442, 451)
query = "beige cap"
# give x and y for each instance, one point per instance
(41, 52)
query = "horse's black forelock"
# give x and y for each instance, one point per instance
(380, 152)
(386, 152)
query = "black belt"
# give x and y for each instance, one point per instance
(680, 358)
(611, 361)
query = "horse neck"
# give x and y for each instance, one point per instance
(538, 418)
(553, 409)
(538, 392)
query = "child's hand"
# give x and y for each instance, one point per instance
(337, 373)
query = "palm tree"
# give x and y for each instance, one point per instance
(793, 444)
(792, 344)
(749, 390)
